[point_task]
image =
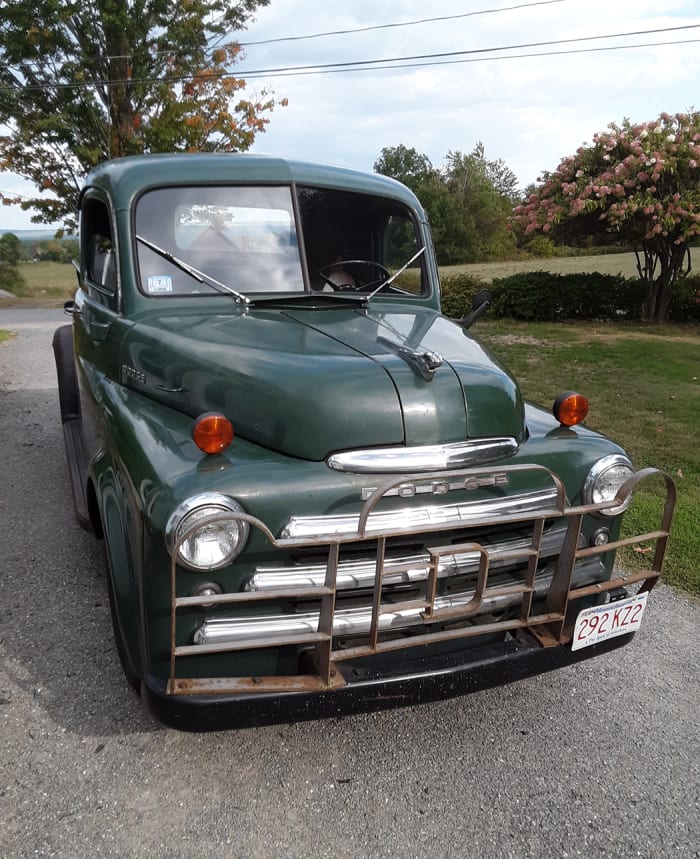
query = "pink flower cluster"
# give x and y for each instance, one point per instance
(640, 179)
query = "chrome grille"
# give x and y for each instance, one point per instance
(350, 622)
(398, 570)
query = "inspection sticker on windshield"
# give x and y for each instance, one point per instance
(601, 622)
(161, 283)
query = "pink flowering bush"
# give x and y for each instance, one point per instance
(639, 181)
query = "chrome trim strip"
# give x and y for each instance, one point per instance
(463, 513)
(431, 457)
(399, 570)
(357, 621)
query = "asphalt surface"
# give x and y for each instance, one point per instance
(597, 760)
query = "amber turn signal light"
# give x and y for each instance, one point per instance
(212, 432)
(570, 408)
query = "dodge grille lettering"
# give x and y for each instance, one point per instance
(441, 487)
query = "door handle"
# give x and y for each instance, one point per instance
(98, 330)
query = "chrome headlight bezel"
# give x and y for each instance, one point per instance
(596, 476)
(205, 506)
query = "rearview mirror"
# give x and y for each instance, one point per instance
(480, 305)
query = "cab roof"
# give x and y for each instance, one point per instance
(124, 178)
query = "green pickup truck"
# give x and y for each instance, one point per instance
(317, 494)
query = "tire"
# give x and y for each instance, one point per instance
(68, 392)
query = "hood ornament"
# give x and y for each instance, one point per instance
(423, 361)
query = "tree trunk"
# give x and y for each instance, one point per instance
(672, 261)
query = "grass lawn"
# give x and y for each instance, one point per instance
(48, 280)
(625, 264)
(5, 335)
(643, 384)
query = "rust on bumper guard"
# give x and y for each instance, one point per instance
(413, 682)
(539, 640)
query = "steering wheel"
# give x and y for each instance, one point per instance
(326, 273)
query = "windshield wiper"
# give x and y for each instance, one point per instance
(200, 276)
(391, 279)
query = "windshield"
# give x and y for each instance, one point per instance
(247, 240)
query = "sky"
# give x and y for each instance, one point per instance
(529, 111)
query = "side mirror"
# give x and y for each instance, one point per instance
(480, 305)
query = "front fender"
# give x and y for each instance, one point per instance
(123, 538)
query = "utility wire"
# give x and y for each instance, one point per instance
(359, 64)
(362, 65)
(215, 46)
(482, 59)
(397, 24)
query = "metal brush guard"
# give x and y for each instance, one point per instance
(549, 628)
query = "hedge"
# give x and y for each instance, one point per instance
(543, 296)
(458, 292)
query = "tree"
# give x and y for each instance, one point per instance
(453, 232)
(498, 173)
(640, 182)
(85, 82)
(468, 201)
(10, 251)
(406, 165)
(416, 171)
(485, 189)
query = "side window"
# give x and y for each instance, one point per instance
(100, 256)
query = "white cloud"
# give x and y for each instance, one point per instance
(529, 111)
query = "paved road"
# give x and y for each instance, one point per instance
(596, 760)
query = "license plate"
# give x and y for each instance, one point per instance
(608, 621)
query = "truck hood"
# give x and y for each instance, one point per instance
(308, 382)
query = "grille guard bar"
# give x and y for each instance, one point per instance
(548, 627)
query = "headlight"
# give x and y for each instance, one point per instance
(605, 479)
(211, 544)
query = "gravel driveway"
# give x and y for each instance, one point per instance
(597, 760)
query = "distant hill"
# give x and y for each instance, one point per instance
(35, 235)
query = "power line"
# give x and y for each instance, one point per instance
(359, 64)
(484, 59)
(353, 30)
(377, 64)
(397, 24)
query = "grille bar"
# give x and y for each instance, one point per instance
(407, 569)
